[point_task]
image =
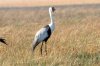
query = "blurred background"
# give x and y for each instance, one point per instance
(5, 3)
(74, 42)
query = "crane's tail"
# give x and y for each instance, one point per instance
(3, 41)
(34, 45)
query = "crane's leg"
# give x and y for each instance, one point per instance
(41, 48)
(46, 48)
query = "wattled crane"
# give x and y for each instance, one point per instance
(44, 33)
(2, 40)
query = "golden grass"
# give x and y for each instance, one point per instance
(75, 41)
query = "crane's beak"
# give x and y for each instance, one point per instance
(53, 9)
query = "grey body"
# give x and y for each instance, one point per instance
(46, 32)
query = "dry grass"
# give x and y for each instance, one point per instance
(75, 41)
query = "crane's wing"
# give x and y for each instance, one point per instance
(41, 34)
(39, 37)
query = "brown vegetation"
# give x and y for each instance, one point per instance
(75, 41)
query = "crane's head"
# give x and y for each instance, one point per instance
(52, 9)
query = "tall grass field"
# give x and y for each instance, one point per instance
(74, 42)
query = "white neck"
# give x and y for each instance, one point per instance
(52, 26)
(51, 16)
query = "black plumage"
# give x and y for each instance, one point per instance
(48, 32)
(2, 40)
